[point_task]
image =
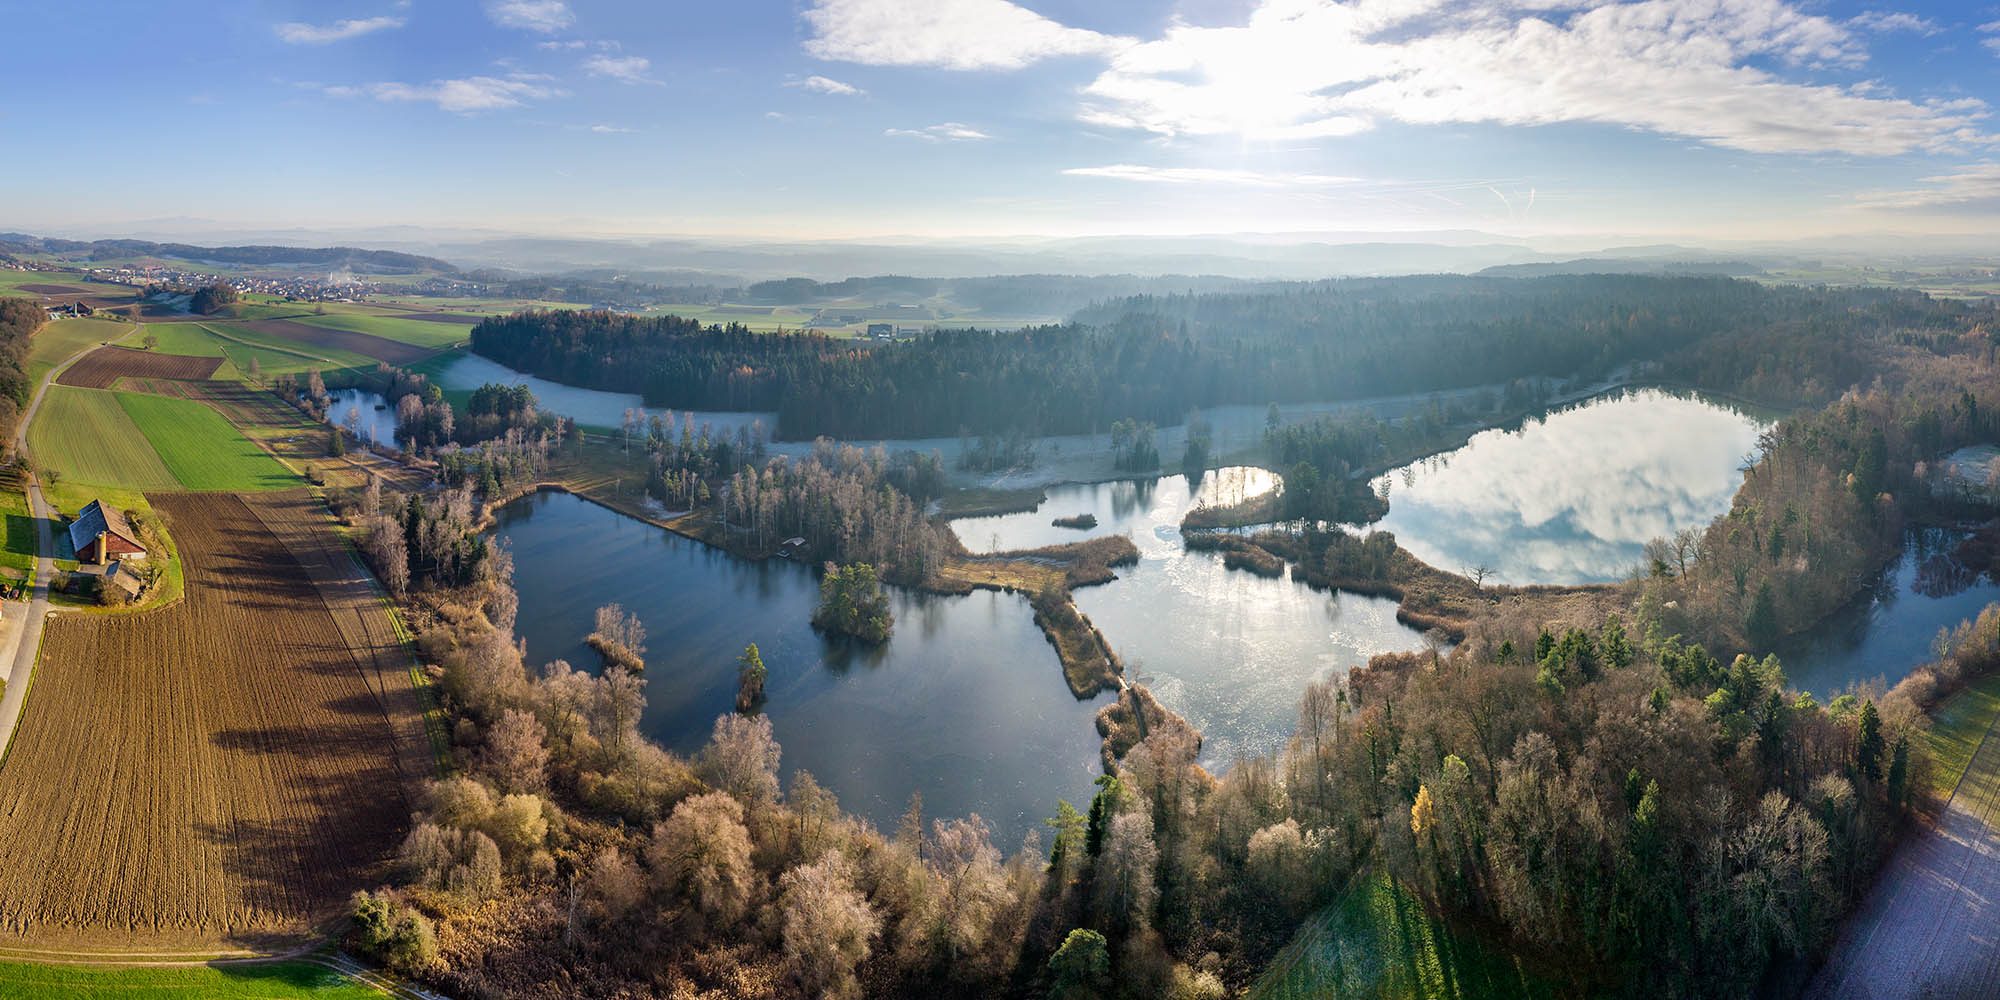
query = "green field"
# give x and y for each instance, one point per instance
(282, 354)
(275, 980)
(1378, 943)
(420, 333)
(1957, 726)
(57, 341)
(21, 542)
(201, 449)
(240, 347)
(85, 437)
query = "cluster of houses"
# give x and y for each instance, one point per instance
(890, 331)
(301, 287)
(72, 311)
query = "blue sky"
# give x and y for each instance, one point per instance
(859, 118)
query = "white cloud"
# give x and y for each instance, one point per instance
(624, 69)
(545, 16)
(466, 96)
(611, 129)
(1886, 21)
(1209, 175)
(1973, 188)
(955, 34)
(315, 34)
(1723, 72)
(943, 131)
(827, 86)
(566, 46)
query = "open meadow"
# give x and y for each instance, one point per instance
(232, 981)
(86, 437)
(62, 338)
(201, 449)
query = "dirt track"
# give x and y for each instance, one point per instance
(1930, 928)
(221, 770)
(382, 348)
(102, 368)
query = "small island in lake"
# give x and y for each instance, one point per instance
(1083, 522)
(851, 602)
(750, 673)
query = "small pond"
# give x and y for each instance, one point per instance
(965, 703)
(376, 420)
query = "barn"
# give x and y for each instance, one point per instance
(101, 534)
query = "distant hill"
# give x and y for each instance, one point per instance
(1625, 265)
(354, 258)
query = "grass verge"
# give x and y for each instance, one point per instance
(275, 980)
(1957, 726)
(1378, 943)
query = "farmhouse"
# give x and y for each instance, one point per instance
(101, 534)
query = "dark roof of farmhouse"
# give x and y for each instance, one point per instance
(95, 519)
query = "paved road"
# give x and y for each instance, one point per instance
(24, 637)
(1930, 928)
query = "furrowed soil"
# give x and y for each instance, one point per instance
(102, 368)
(1930, 927)
(369, 345)
(217, 771)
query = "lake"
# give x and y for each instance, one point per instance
(1572, 496)
(588, 407)
(1228, 650)
(965, 703)
(1889, 629)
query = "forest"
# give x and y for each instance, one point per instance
(1154, 357)
(19, 319)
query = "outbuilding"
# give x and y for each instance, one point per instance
(101, 534)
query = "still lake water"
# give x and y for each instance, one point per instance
(589, 407)
(965, 703)
(1889, 631)
(376, 425)
(1228, 650)
(1574, 495)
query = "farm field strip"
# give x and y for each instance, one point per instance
(351, 597)
(349, 342)
(1927, 927)
(201, 449)
(401, 328)
(102, 368)
(62, 338)
(85, 435)
(238, 785)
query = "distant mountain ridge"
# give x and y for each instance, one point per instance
(1625, 265)
(356, 258)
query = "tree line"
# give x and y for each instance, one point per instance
(1154, 357)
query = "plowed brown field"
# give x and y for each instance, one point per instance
(222, 770)
(102, 368)
(382, 348)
